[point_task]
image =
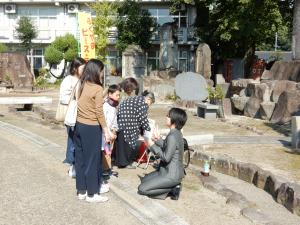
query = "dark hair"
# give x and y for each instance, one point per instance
(129, 85)
(149, 94)
(113, 88)
(178, 117)
(75, 64)
(91, 73)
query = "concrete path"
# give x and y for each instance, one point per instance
(38, 189)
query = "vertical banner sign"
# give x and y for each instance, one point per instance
(87, 41)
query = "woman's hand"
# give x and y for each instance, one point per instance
(106, 135)
(149, 143)
(156, 134)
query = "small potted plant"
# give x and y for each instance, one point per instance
(216, 96)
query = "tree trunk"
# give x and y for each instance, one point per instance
(31, 64)
(296, 31)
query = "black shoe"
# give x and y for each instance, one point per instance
(174, 193)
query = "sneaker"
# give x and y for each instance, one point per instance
(131, 166)
(81, 196)
(96, 198)
(72, 172)
(104, 188)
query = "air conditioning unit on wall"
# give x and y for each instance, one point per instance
(10, 8)
(72, 8)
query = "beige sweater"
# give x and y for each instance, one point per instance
(90, 105)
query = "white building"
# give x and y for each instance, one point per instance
(55, 18)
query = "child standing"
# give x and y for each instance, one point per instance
(110, 114)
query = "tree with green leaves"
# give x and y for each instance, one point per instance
(135, 25)
(62, 48)
(235, 28)
(106, 13)
(26, 32)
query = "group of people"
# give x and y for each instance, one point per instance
(108, 126)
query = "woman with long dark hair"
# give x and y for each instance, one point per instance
(67, 86)
(88, 133)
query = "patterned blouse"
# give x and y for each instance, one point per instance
(132, 118)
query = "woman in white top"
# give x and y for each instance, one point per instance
(66, 88)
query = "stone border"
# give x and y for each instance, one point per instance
(282, 191)
(246, 207)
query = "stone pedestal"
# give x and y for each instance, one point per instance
(207, 111)
(296, 132)
(133, 62)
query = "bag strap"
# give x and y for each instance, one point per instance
(73, 92)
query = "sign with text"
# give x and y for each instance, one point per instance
(87, 41)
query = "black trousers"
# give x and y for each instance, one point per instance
(124, 154)
(87, 140)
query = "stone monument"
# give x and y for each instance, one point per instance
(203, 60)
(133, 62)
(15, 69)
(168, 51)
(296, 132)
(191, 87)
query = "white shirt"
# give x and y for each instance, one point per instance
(66, 88)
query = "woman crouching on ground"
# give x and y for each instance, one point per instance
(166, 180)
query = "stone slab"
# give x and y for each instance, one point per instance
(191, 86)
(24, 100)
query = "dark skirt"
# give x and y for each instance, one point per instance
(124, 154)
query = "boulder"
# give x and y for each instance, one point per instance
(288, 105)
(281, 86)
(286, 70)
(260, 91)
(266, 110)
(243, 93)
(267, 75)
(252, 107)
(239, 102)
(242, 82)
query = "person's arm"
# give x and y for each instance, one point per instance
(159, 142)
(100, 114)
(65, 91)
(165, 154)
(143, 118)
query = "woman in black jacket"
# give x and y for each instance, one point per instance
(166, 180)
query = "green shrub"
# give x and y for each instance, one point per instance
(3, 47)
(215, 94)
(53, 56)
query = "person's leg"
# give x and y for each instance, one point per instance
(123, 151)
(156, 186)
(79, 159)
(70, 157)
(91, 143)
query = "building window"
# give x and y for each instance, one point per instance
(114, 63)
(152, 61)
(183, 61)
(163, 15)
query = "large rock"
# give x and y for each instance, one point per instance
(239, 102)
(281, 86)
(242, 82)
(260, 91)
(191, 86)
(288, 104)
(252, 107)
(15, 69)
(286, 70)
(266, 110)
(267, 75)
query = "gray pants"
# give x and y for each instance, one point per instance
(156, 185)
